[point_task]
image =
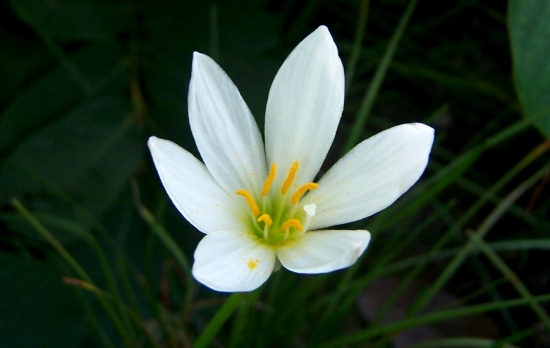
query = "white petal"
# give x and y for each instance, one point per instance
(233, 261)
(193, 190)
(372, 175)
(323, 251)
(226, 134)
(304, 107)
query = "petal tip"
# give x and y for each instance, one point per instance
(323, 34)
(323, 29)
(197, 54)
(423, 131)
(199, 59)
(151, 142)
(428, 131)
(423, 127)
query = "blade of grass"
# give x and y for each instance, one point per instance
(515, 337)
(511, 276)
(456, 82)
(461, 342)
(481, 231)
(527, 160)
(242, 320)
(173, 248)
(480, 269)
(66, 256)
(92, 318)
(507, 245)
(344, 285)
(101, 293)
(409, 278)
(364, 335)
(221, 316)
(423, 261)
(88, 217)
(378, 78)
(357, 42)
(160, 231)
(166, 239)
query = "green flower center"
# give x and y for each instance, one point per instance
(277, 217)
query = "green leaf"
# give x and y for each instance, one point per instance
(529, 27)
(90, 155)
(37, 309)
(91, 70)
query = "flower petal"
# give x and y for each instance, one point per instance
(372, 175)
(323, 251)
(225, 132)
(193, 190)
(304, 106)
(233, 261)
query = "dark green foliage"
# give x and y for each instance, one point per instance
(83, 83)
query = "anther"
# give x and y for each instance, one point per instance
(302, 191)
(269, 179)
(292, 223)
(266, 219)
(290, 178)
(250, 200)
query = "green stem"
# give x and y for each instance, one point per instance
(165, 238)
(378, 78)
(511, 276)
(173, 248)
(356, 48)
(433, 317)
(485, 226)
(74, 265)
(218, 320)
(89, 218)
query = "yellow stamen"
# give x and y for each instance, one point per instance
(290, 178)
(302, 191)
(292, 223)
(269, 180)
(250, 200)
(266, 219)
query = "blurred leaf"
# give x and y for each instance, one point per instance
(529, 26)
(90, 154)
(21, 57)
(73, 20)
(37, 309)
(93, 69)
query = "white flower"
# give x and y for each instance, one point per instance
(258, 206)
